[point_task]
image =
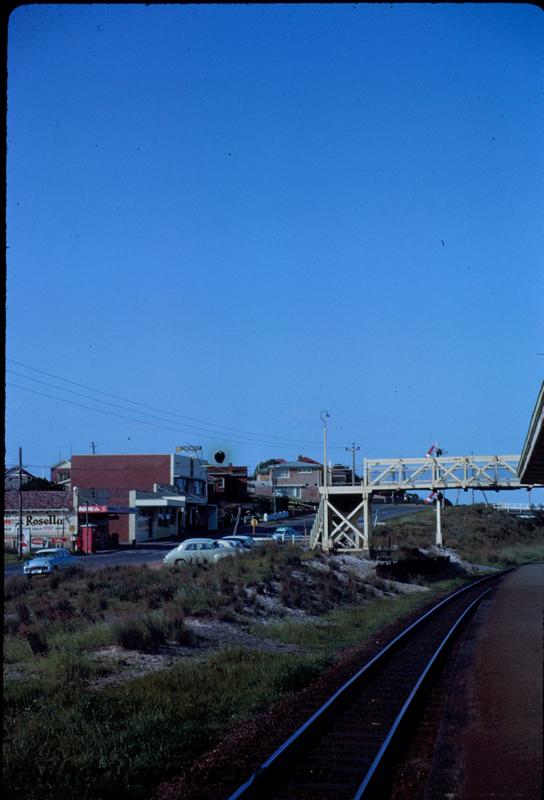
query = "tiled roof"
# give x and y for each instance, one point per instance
(290, 465)
(38, 501)
(299, 465)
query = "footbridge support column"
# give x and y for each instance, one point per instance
(366, 521)
(439, 520)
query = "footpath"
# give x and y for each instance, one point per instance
(501, 744)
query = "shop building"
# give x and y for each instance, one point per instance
(139, 498)
(49, 520)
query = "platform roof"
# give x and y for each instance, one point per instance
(531, 463)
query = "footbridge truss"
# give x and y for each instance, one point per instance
(343, 519)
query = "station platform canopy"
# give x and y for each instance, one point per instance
(531, 462)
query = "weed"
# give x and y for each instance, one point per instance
(36, 638)
(23, 612)
(145, 633)
(15, 587)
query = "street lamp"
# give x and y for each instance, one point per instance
(273, 473)
(324, 416)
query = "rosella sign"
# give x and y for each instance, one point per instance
(42, 528)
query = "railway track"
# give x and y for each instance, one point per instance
(347, 748)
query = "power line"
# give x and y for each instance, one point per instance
(141, 421)
(219, 428)
(124, 408)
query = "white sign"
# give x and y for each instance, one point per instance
(41, 522)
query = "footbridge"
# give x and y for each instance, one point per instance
(338, 520)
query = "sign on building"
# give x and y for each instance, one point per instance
(40, 529)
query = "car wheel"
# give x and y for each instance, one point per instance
(55, 569)
(180, 561)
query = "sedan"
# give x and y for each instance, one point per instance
(45, 562)
(229, 544)
(286, 534)
(245, 541)
(191, 550)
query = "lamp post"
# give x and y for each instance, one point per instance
(273, 473)
(324, 416)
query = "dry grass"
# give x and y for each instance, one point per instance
(478, 533)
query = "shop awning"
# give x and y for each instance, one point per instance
(152, 500)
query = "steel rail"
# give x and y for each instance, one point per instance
(373, 773)
(296, 741)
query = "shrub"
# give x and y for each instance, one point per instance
(23, 612)
(15, 587)
(176, 626)
(143, 634)
(35, 636)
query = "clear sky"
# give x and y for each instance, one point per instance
(239, 216)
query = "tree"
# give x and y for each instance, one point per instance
(262, 466)
(41, 485)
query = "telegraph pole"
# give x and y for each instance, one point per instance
(353, 449)
(324, 416)
(93, 445)
(20, 542)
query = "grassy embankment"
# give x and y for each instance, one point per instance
(478, 534)
(66, 735)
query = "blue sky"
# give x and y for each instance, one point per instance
(238, 216)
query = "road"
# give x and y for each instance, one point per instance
(151, 553)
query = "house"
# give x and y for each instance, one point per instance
(60, 473)
(138, 498)
(49, 519)
(340, 475)
(298, 479)
(227, 484)
(11, 478)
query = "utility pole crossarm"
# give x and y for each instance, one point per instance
(353, 450)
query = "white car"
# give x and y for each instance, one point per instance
(206, 550)
(287, 534)
(230, 544)
(245, 541)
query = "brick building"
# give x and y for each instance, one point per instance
(227, 484)
(138, 498)
(60, 473)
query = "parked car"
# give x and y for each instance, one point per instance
(191, 550)
(230, 544)
(47, 561)
(262, 538)
(287, 534)
(245, 541)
